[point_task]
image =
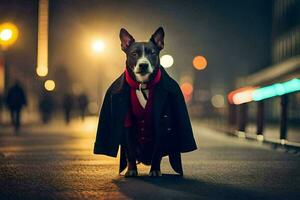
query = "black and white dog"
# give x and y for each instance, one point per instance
(144, 111)
(142, 64)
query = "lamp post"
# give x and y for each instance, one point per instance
(98, 47)
(8, 35)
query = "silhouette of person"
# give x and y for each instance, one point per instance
(46, 107)
(15, 101)
(1, 106)
(82, 102)
(67, 107)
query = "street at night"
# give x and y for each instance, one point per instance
(47, 163)
(150, 99)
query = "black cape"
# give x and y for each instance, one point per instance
(172, 126)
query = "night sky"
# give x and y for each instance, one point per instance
(233, 35)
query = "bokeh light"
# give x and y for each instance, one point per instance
(241, 95)
(187, 90)
(93, 107)
(42, 71)
(199, 62)
(248, 94)
(77, 88)
(166, 61)
(98, 46)
(218, 101)
(49, 85)
(276, 89)
(8, 34)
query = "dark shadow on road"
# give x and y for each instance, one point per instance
(176, 187)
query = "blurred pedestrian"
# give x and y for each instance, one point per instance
(82, 102)
(67, 107)
(1, 107)
(15, 101)
(46, 107)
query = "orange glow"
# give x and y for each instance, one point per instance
(187, 90)
(242, 95)
(200, 62)
(8, 34)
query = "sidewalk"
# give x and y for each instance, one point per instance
(271, 132)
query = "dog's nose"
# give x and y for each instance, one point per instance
(143, 66)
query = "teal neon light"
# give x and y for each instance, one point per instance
(276, 89)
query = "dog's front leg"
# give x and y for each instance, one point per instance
(130, 149)
(155, 165)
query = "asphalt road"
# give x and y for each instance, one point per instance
(56, 162)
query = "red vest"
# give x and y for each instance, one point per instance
(137, 115)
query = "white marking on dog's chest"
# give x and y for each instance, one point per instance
(141, 97)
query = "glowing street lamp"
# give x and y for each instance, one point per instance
(98, 46)
(8, 34)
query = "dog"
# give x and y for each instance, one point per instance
(144, 111)
(142, 64)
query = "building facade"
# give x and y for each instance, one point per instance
(286, 30)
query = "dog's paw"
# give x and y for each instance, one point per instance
(131, 173)
(155, 173)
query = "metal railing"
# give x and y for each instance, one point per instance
(238, 109)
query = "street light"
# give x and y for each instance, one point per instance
(8, 35)
(98, 46)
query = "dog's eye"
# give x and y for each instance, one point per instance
(134, 53)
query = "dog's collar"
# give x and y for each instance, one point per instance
(143, 86)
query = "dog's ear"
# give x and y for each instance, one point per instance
(126, 39)
(158, 38)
